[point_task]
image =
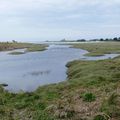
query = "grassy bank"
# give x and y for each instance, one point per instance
(98, 49)
(30, 47)
(91, 92)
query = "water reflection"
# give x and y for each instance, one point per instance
(37, 73)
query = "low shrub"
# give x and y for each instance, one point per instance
(88, 97)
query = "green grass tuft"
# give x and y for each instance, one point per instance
(89, 97)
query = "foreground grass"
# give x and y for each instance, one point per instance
(98, 49)
(91, 92)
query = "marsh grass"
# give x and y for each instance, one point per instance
(37, 47)
(30, 47)
(16, 53)
(94, 81)
(99, 49)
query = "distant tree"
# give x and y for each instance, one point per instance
(101, 39)
(14, 41)
(106, 39)
(115, 39)
(119, 39)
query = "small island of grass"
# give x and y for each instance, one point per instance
(16, 53)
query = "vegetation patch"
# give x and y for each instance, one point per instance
(112, 105)
(88, 97)
(99, 49)
(36, 47)
(101, 117)
(16, 53)
(31, 47)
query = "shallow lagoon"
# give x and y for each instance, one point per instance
(29, 71)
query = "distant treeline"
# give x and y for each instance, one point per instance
(84, 40)
(107, 39)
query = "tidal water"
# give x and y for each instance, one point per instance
(28, 71)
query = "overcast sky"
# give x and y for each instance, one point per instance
(57, 19)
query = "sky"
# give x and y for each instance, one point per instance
(40, 20)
